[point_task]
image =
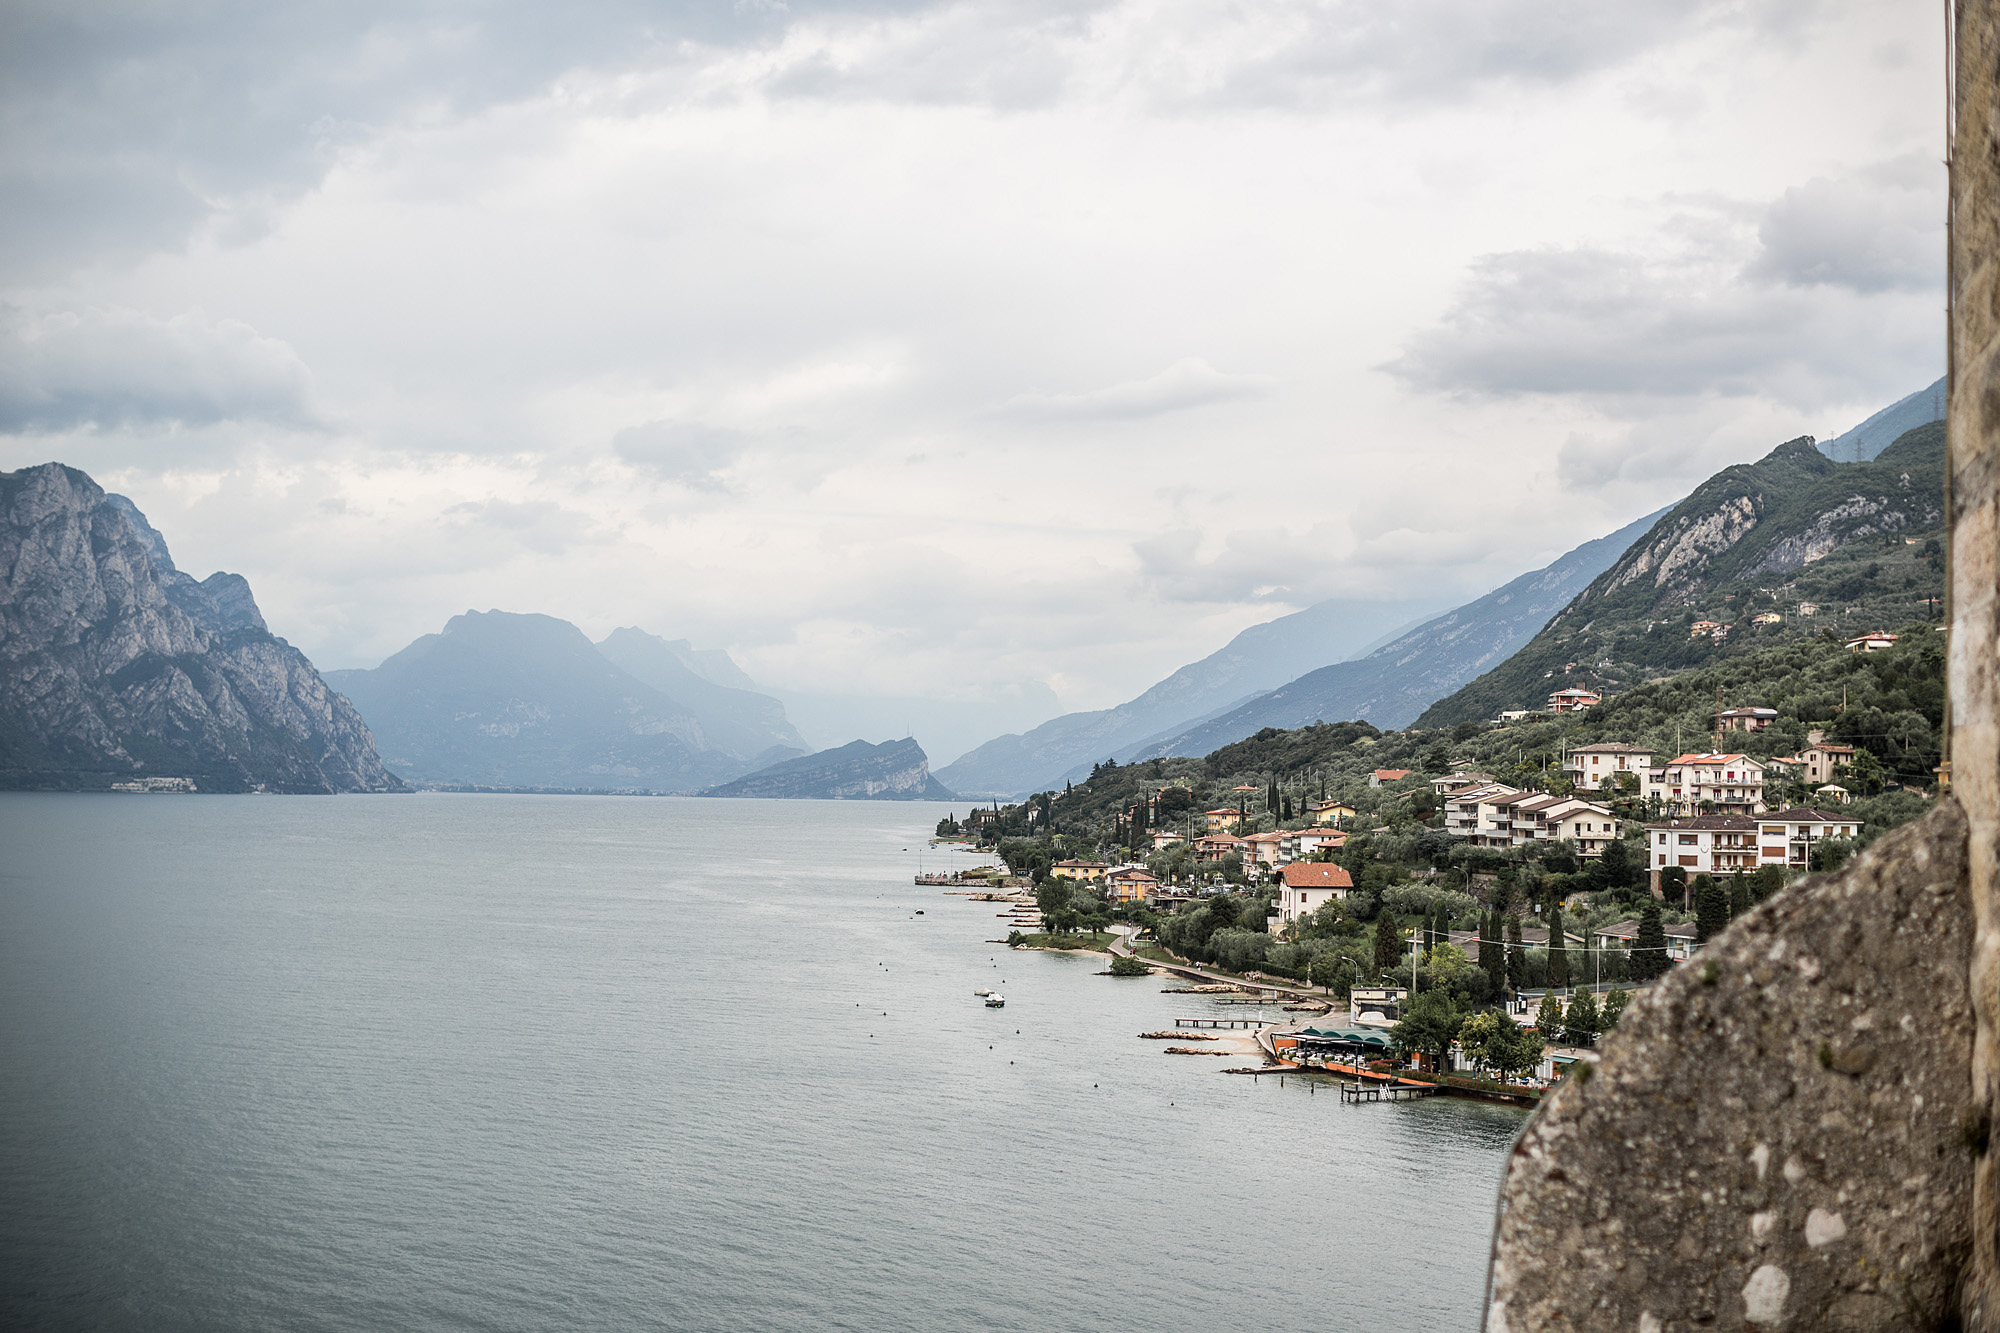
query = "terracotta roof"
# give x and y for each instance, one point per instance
(1316, 875)
(1714, 823)
(1392, 774)
(1609, 747)
(1712, 760)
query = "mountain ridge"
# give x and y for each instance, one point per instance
(1860, 542)
(1398, 681)
(891, 771)
(120, 666)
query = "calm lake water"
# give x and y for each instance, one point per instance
(493, 1062)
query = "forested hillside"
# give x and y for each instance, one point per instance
(1848, 546)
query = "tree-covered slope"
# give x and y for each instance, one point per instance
(1861, 544)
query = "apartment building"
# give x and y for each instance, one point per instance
(1727, 783)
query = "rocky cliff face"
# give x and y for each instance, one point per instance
(891, 771)
(1792, 545)
(115, 665)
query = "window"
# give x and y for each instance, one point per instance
(1689, 839)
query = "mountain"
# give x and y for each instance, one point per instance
(1825, 547)
(1394, 683)
(1249, 664)
(891, 771)
(1872, 436)
(732, 716)
(505, 700)
(115, 665)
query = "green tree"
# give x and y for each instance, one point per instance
(1673, 885)
(1711, 908)
(1052, 896)
(1649, 950)
(1581, 1023)
(1123, 965)
(1615, 1001)
(1517, 957)
(1515, 1051)
(1479, 1034)
(1492, 952)
(1388, 942)
(1549, 1018)
(1558, 949)
(1767, 881)
(1613, 867)
(1428, 1026)
(1740, 900)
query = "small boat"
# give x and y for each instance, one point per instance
(995, 1000)
(982, 994)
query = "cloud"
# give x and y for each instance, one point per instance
(1189, 382)
(1832, 290)
(685, 452)
(1877, 232)
(120, 368)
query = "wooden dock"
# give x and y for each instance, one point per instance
(1218, 1022)
(1386, 1092)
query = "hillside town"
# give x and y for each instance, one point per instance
(1545, 892)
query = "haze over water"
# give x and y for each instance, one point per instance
(517, 1063)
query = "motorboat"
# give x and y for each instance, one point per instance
(982, 994)
(995, 1000)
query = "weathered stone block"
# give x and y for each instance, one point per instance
(1778, 1135)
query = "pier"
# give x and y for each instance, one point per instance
(1218, 1022)
(1386, 1092)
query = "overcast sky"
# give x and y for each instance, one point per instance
(1003, 352)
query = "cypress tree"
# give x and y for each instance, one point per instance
(1649, 950)
(1517, 959)
(1558, 950)
(1388, 941)
(1740, 900)
(1711, 908)
(1492, 953)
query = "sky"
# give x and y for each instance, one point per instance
(970, 361)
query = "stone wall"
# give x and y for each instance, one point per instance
(1778, 1135)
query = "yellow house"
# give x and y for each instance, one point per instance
(1226, 820)
(1329, 812)
(1089, 871)
(1130, 884)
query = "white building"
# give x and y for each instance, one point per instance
(1598, 766)
(1727, 783)
(1704, 845)
(1305, 887)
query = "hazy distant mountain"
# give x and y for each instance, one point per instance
(1394, 683)
(1883, 429)
(711, 687)
(1252, 662)
(509, 700)
(115, 665)
(891, 771)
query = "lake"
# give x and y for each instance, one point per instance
(520, 1062)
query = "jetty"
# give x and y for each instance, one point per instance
(1218, 1022)
(1386, 1092)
